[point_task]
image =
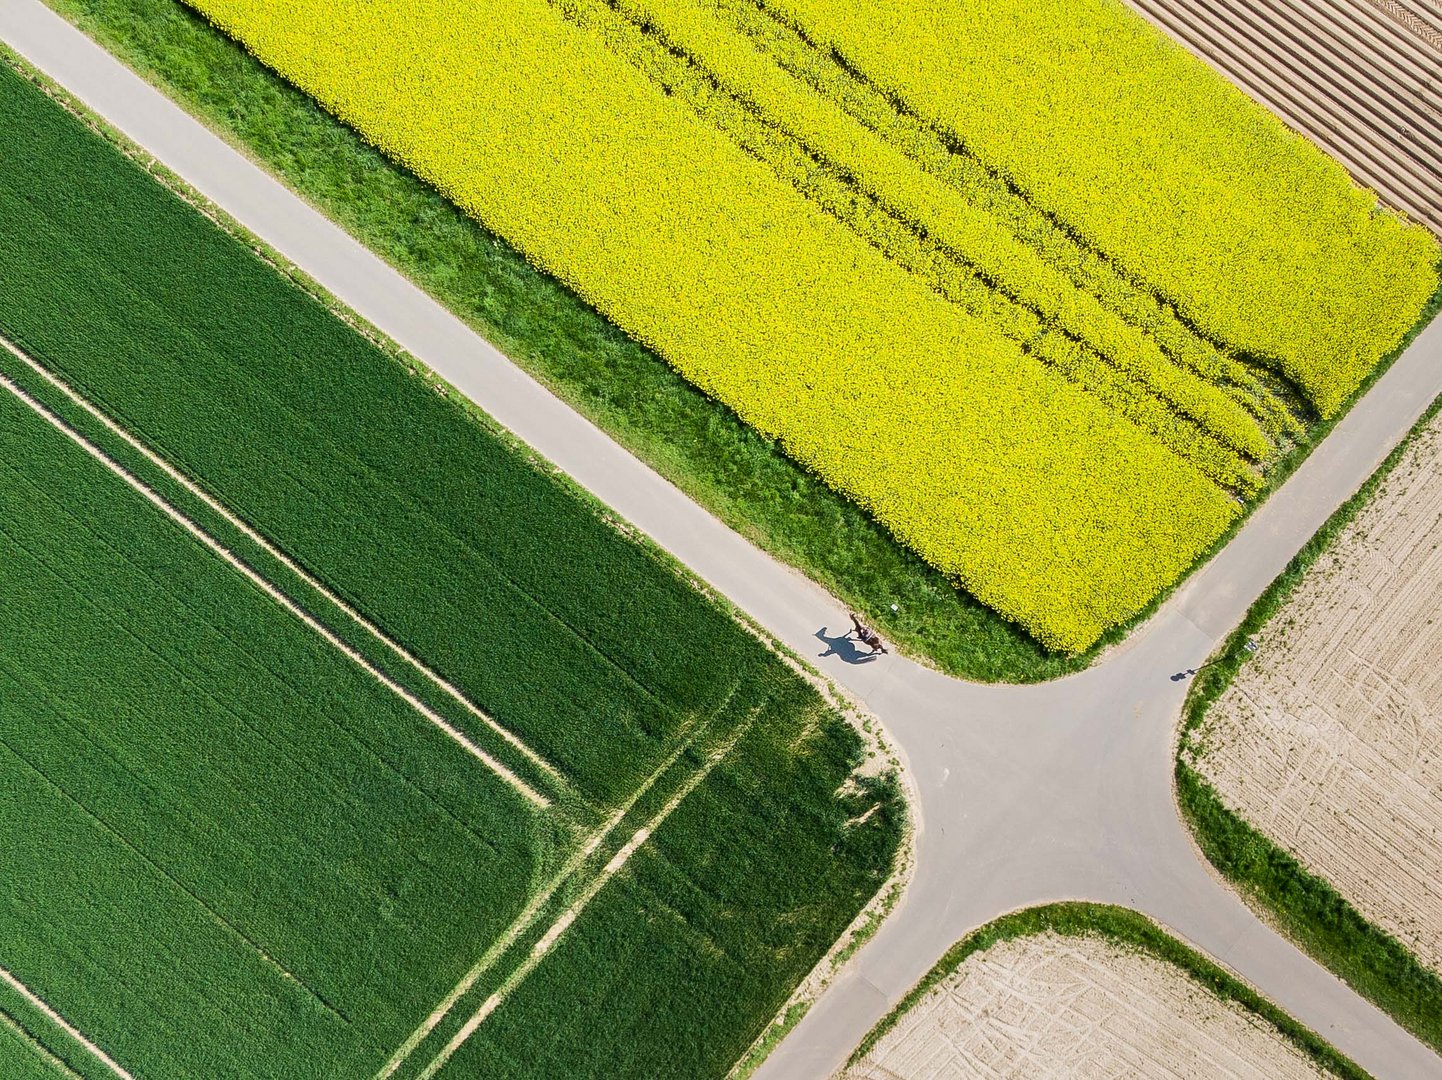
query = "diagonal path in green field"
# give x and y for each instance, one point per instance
(553, 933)
(71, 1032)
(171, 805)
(571, 875)
(262, 556)
(280, 598)
(194, 490)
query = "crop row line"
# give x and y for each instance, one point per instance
(1046, 248)
(290, 564)
(944, 154)
(36, 1002)
(564, 921)
(324, 632)
(532, 911)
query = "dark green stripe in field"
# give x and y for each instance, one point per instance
(230, 851)
(23, 1056)
(201, 795)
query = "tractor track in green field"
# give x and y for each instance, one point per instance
(267, 587)
(195, 491)
(523, 929)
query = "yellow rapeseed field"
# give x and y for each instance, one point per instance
(1013, 405)
(1256, 235)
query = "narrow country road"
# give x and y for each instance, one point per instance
(1027, 794)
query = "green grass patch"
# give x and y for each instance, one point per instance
(1305, 906)
(1127, 928)
(292, 863)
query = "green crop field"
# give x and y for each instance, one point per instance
(24, 1057)
(326, 711)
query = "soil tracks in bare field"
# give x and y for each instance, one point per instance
(1053, 1006)
(1329, 740)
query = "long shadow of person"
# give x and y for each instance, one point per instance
(844, 648)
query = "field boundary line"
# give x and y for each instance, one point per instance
(285, 560)
(54, 1017)
(528, 915)
(279, 597)
(563, 923)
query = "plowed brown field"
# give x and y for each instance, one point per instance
(1052, 1006)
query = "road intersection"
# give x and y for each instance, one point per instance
(1025, 795)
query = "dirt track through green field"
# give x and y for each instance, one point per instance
(217, 549)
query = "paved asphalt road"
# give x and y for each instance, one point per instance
(1027, 794)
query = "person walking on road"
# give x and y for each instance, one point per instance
(867, 635)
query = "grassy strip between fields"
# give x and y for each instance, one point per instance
(698, 444)
(1130, 929)
(1303, 905)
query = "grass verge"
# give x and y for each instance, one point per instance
(1130, 929)
(1303, 905)
(701, 446)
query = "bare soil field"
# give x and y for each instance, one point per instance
(1328, 740)
(1048, 1005)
